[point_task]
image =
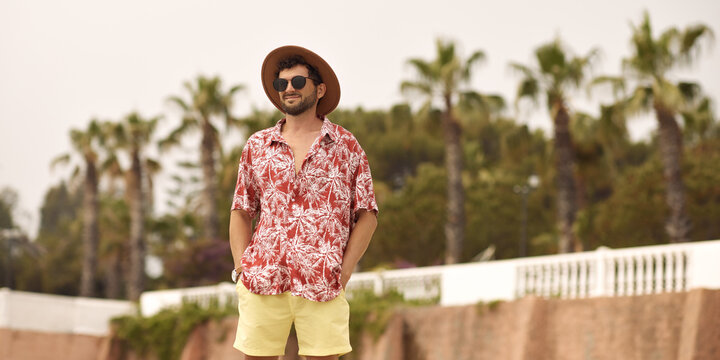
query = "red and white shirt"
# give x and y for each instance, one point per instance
(305, 218)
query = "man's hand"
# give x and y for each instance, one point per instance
(344, 278)
(358, 243)
(240, 234)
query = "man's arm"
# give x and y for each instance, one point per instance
(240, 235)
(358, 243)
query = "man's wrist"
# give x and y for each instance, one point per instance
(235, 274)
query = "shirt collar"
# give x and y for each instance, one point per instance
(328, 131)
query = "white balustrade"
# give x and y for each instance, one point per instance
(152, 302)
(603, 272)
(59, 314)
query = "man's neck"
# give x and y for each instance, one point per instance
(303, 123)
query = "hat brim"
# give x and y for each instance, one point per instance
(327, 103)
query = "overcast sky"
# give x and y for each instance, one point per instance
(65, 62)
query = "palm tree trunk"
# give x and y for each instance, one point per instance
(207, 151)
(455, 224)
(112, 276)
(136, 283)
(671, 150)
(90, 230)
(564, 161)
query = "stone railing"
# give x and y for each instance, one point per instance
(604, 272)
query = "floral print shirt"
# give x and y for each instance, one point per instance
(305, 217)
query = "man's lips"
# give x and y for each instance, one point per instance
(291, 96)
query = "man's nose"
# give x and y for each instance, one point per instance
(289, 87)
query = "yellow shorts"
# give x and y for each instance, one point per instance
(264, 324)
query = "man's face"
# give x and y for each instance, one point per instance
(297, 101)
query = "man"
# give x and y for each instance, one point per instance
(309, 181)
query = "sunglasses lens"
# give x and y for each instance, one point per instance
(280, 84)
(298, 82)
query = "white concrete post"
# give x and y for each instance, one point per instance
(4, 301)
(703, 266)
(600, 277)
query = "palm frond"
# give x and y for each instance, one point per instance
(153, 166)
(521, 69)
(60, 160)
(616, 83)
(111, 166)
(236, 88)
(668, 94)
(640, 101)
(528, 88)
(188, 164)
(445, 51)
(613, 121)
(689, 90)
(690, 42)
(423, 68)
(488, 104)
(476, 58)
(408, 87)
(551, 58)
(173, 139)
(179, 102)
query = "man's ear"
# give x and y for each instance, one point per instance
(321, 90)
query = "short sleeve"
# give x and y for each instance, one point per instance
(363, 191)
(247, 196)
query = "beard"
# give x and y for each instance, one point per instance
(304, 105)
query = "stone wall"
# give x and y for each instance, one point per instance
(679, 326)
(33, 345)
(683, 326)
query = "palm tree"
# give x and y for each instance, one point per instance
(86, 144)
(442, 79)
(648, 66)
(133, 135)
(207, 103)
(699, 121)
(557, 73)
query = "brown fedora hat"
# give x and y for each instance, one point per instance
(327, 103)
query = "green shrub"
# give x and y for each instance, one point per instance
(370, 313)
(166, 333)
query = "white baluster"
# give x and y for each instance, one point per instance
(541, 278)
(669, 272)
(564, 280)
(680, 271)
(601, 273)
(574, 268)
(621, 277)
(527, 278)
(547, 278)
(582, 277)
(640, 275)
(683, 271)
(520, 284)
(649, 271)
(659, 270)
(555, 288)
(630, 283)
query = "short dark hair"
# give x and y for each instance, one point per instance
(294, 60)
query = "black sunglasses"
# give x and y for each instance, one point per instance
(298, 82)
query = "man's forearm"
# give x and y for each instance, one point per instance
(240, 235)
(358, 243)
